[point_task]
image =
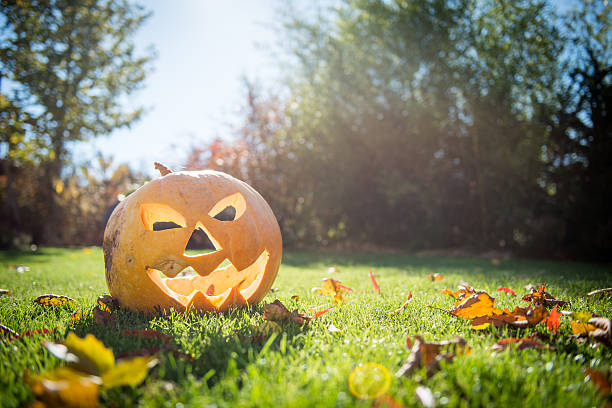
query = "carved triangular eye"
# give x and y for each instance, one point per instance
(229, 208)
(159, 217)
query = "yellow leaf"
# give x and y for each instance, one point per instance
(129, 372)
(582, 316)
(582, 328)
(481, 326)
(94, 357)
(65, 387)
(59, 187)
(54, 300)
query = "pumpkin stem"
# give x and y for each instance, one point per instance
(162, 169)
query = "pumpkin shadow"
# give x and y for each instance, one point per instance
(197, 344)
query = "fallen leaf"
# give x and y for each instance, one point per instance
(319, 313)
(518, 318)
(428, 355)
(77, 315)
(435, 277)
(476, 305)
(425, 395)
(481, 326)
(87, 354)
(128, 372)
(295, 298)
(541, 297)
(600, 380)
(582, 316)
(54, 300)
(102, 317)
(65, 387)
(579, 328)
(606, 291)
(277, 312)
(507, 290)
(107, 303)
(403, 306)
(520, 343)
(460, 294)
(8, 332)
(5, 292)
(552, 322)
(376, 287)
(602, 333)
(333, 288)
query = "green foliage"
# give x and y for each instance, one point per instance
(309, 366)
(70, 66)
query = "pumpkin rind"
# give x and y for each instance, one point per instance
(134, 253)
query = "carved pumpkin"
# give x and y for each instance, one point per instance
(147, 234)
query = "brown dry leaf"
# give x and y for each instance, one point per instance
(103, 318)
(519, 317)
(600, 380)
(521, 343)
(5, 292)
(429, 355)
(607, 291)
(435, 277)
(541, 297)
(602, 333)
(277, 312)
(107, 303)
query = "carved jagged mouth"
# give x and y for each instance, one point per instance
(221, 288)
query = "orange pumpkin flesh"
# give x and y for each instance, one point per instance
(145, 267)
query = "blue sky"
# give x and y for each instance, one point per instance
(204, 49)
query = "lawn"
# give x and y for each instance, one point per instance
(310, 365)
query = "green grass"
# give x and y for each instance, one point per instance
(309, 366)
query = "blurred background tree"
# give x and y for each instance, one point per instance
(476, 124)
(68, 64)
(437, 124)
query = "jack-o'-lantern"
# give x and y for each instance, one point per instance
(146, 238)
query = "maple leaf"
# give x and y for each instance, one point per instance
(507, 290)
(333, 288)
(65, 387)
(476, 305)
(376, 287)
(278, 312)
(552, 322)
(435, 277)
(403, 306)
(519, 317)
(579, 328)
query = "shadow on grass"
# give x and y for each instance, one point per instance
(200, 345)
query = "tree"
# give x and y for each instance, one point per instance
(69, 64)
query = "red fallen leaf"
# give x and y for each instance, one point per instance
(403, 306)
(552, 322)
(521, 343)
(320, 313)
(376, 287)
(435, 277)
(429, 355)
(507, 290)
